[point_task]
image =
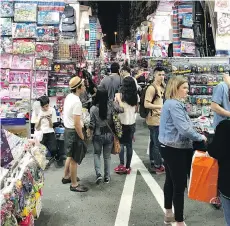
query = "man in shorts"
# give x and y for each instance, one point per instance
(74, 137)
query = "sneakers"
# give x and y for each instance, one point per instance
(169, 220)
(128, 171)
(106, 180)
(99, 179)
(120, 169)
(158, 171)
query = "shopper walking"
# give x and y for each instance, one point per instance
(221, 101)
(73, 135)
(154, 102)
(126, 72)
(101, 124)
(219, 149)
(128, 100)
(113, 82)
(176, 134)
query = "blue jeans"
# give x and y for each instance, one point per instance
(226, 207)
(129, 154)
(154, 147)
(104, 142)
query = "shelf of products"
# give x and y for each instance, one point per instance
(22, 179)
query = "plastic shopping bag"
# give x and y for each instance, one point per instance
(203, 179)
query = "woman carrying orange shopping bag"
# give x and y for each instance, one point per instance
(220, 150)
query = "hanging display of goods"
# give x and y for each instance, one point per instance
(5, 26)
(24, 30)
(48, 17)
(65, 68)
(187, 20)
(23, 46)
(24, 12)
(22, 62)
(45, 33)
(39, 89)
(18, 91)
(187, 33)
(6, 60)
(6, 9)
(43, 64)
(4, 75)
(44, 50)
(40, 76)
(19, 77)
(187, 47)
(6, 45)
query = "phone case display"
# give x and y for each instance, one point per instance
(48, 17)
(22, 62)
(22, 183)
(45, 33)
(6, 45)
(188, 47)
(6, 60)
(23, 46)
(24, 12)
(6, 9)
(24, 30)
(20, 77)
(5, 26)
(43, 64)
(44, 50)
(187, 33)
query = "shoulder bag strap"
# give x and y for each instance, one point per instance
(110, 128)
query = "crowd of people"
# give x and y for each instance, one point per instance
(116, 102)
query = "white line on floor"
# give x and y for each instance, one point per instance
(125, 206)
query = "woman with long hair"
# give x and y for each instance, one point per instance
(176, 134)
(101, 123)
(128, 100)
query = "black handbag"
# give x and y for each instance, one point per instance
(80, 148)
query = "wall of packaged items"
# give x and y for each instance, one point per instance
(22, 179)
(35, 35)
(203, 75)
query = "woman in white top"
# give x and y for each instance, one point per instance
(128, 100)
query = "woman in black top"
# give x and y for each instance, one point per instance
(220, 150)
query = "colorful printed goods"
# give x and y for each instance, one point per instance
(19, 77)
(24, 30)
(5, 61)
(25, 12)
(48, 17)
(6, 45)
(6, 9)
(43, 64)
(22, 62)
(187, 47)
(23, 46)
(45, 33)
(187, 20)
(5, 26)
(44, 50)
(4, 74)
(187, 33)
(40, 76)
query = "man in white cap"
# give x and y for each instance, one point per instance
(73, 136)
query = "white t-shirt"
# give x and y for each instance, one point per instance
(129, 115)
(45, 127)
(72, 106)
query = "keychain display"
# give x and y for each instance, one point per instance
(6, 9)
(23, 46)
(6, 45)
(5, 26)
(43, 64)
(24, 30)
(20, 77)
(22, 62)
(45, 33)
(24, 12)
(48, 17)
(44, 50)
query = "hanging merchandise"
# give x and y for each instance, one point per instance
(5, 26)
(6, 9)
(23, 46)
(25, 12)
(24, 30)
(45, 33)
(48, 17)
(6, 45)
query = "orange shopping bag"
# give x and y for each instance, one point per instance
(203, 179)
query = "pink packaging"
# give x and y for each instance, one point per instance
(40, 76)
(6, 60)
(20, 77)
(22, 62)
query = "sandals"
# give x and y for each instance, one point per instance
(79, 188)
(67, 181)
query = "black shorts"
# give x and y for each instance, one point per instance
(75, 147)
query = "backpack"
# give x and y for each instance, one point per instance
(142, 110)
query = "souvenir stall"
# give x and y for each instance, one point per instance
(22, 179)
